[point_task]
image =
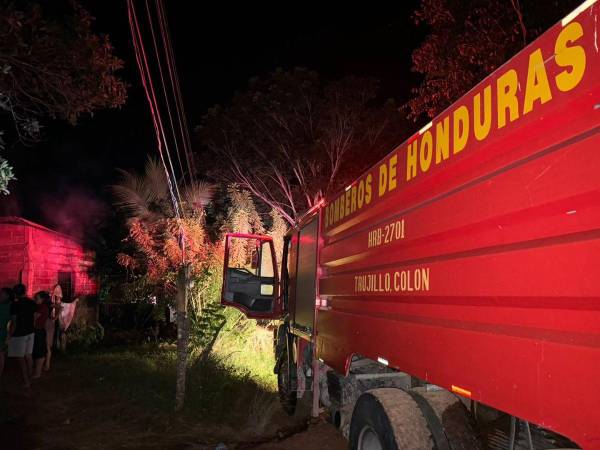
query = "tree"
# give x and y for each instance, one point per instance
(52, 66)
(290, 139)
(153, 254)
(468, 39)
(6, 173)
(168, 251)
(242, 215)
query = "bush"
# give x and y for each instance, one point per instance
(89, 300)
(85, 336)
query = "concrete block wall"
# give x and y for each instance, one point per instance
(13, 242)
(51, 253)
(34, 255)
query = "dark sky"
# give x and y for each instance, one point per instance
(216, 51)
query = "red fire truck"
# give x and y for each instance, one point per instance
(459, 277)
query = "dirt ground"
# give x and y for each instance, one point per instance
(63, 411)
(319, 436)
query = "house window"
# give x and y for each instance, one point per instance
(65, 279)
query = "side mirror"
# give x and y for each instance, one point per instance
(250, 281)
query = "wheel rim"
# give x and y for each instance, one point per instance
(368, 440)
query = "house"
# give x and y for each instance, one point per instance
(41, 258)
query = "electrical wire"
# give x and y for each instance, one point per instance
(148, 85)
(183, 136)
(164, 26)
(164, 89)
(179, 210)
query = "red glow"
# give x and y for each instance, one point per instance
(33, 255)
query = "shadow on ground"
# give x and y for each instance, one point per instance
(122, 398)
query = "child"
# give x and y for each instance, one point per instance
(39, 342)
(6, 297)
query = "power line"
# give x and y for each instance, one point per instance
(164, 89)
(179, 211)
(176, 88)
(143, 66)
(179, 110)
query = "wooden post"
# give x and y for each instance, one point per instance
(183, 280)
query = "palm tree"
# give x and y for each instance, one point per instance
(147, 196)
(158, 235)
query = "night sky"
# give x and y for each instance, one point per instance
(216, 52)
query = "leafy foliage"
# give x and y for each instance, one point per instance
(158, 240)
(132, 288)
(158, 248)
(144, 196)
(6, 175)
(147, 196)
(291, 139)
(85, 336)
(159, 243)
(207, 317)
(277, 231)
(52, 66)
(209, 320)
(6, 171)
(242, 215)
(153, 255)
(468, 39)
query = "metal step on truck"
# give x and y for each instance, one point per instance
(449, 298)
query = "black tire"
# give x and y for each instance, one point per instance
(287, 394)
(370, 417)
(388, 419)
(458, 424)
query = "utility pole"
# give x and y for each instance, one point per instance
(183, 282)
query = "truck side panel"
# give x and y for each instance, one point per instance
(478, 269)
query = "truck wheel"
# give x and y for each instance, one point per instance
(287, 396)
(458, 424)
(388, 419)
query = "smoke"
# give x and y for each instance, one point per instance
(10, 205)
(76, 212)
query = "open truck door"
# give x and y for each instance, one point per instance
(250, 281)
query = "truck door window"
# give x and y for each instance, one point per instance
(306, 272)
(250, 274)
(266, 260)
(286, 270)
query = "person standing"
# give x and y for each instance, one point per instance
(51, 324)
(39, 332)
(56, 298)
(6, 297)
(20, 332)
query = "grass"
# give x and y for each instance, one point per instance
(224, 388)
(123, 397)
(252, 356)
